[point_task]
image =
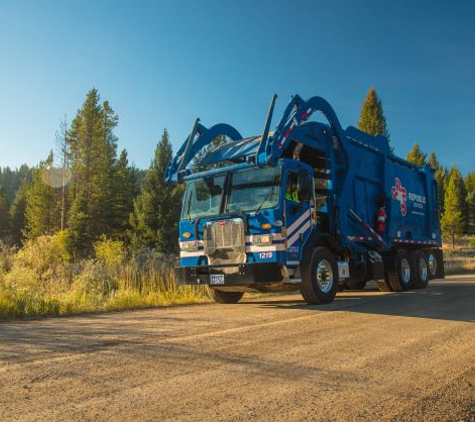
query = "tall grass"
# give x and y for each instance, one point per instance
(40, 280)
(461, 259)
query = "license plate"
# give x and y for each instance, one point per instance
(216, 279)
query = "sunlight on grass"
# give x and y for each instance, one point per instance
(38, 281)
(461, 259)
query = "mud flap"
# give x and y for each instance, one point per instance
(439, 255)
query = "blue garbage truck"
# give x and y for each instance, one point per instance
(309, 207)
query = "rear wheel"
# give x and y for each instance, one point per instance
(399, 273)
(432, 263)
(319, 277)
(421, 269)
(224, 297)
(384, 285)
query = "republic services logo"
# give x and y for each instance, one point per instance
(400, 194)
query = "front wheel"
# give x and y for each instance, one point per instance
(319, 277)
(224, 297)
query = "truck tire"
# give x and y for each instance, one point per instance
(384, 285)
(319, 277)
(224, 297)
(432, 263)
(399, 273)
(421, 269)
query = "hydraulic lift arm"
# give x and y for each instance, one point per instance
(199, 137)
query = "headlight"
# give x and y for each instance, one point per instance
(263, 239)
(189, 246)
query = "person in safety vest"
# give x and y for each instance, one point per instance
(292, 193)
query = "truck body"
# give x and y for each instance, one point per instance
(309, 207)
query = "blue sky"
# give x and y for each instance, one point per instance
(162, 64)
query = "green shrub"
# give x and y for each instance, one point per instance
(44, 255)
(110, 252)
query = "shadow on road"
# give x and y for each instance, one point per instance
(19, 340)
(441, 300)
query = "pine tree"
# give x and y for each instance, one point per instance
(416, 156)
(124, 193)
(80, 233)
(11, 179)
(455, 172)
(18, 214)
(432, 161)
(470, 199)
(372, 118)
(93, 149)
(441, 177)
(452, 218)
(156, 209)
(108, 171)
(42, 203)
(4, 215)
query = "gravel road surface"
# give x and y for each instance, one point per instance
(367, 356)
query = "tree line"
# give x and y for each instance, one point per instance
(87, 189)
(456, 194)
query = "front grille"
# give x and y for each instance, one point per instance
(225, 242)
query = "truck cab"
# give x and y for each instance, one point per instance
(244, 229)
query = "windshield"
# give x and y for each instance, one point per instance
(203, 198)
(254, 189)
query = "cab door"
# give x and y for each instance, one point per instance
(298, 198)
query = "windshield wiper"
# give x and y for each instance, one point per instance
(269, 194)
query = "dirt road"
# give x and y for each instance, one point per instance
(367, 356)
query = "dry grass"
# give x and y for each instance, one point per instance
(38, 280)
(461, 259)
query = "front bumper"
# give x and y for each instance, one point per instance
(231, 275)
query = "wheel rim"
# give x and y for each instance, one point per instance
(405, 270)
(324, 276)
(422, 269)
(432, 264)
